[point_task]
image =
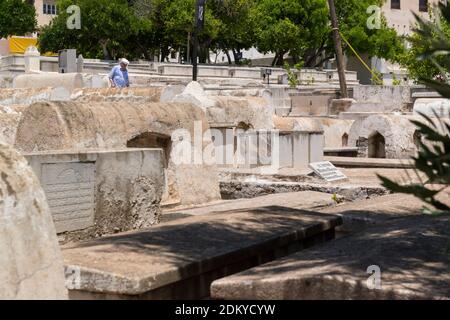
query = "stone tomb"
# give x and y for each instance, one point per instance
(108, 190)
(406, 253)
(69, 81)
(180, 259)
(30, 259)
(278, 149)
(180, 129)
(432, 107)
(304, 104)
(384, 136)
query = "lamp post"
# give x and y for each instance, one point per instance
(338, 49)
(199, 24)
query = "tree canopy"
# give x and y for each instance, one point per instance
(302, 29)
(432, 160)
(106, 29)
(141, 28)
(422, 40)
(17, 17)
(291, 26)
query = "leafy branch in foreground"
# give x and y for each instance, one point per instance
(433, 158)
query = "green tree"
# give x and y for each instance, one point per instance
(17, 17)
(179, 19)
(302, 29)
(433, 158)
(290, 26)
(420, 42)
(381, 42)
(108, 29)
(236, 28)
(174, 21)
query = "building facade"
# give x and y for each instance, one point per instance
(45, 11)
(400, 16)
(399, 13)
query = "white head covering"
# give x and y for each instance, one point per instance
(124, 61)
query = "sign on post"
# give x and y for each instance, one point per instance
(326, 170)
(200, 14)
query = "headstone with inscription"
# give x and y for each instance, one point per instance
(327, 171)
(70, 189)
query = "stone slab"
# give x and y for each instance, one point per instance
(362, 183)
(432, 107)
(327, 171)
(370, 162)
(137, 263)
(358, 176)
(99, 191)
(30, 259)
(307, 200)
(357, 115)
(409, 253)
(310, 105)
(426, 94)
(70, 190)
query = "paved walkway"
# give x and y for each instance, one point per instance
(301, 200)
(155, 262)
(409, 248)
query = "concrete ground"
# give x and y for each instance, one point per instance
(408, 246)
(196, 246)
(361, 214)
(157, 263)
(362, 183)
(299, 200)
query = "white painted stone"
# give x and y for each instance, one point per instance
(334, 132)
(432, 107)
(310, 76)
(248, 73)
(32, 60)
(241, 156)
(316, 145)
(59, 94)
(170, 92)
(69, 81)
(326, 170)
(286, 150)
(195, 94)
(388, 98)
(30, 261)
(301, 150)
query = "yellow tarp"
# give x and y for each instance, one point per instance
(20, 44)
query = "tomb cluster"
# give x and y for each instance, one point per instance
(178, 189)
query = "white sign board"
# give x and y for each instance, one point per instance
(327, 171)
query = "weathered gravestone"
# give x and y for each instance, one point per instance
(326, 170)
(31, 265)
